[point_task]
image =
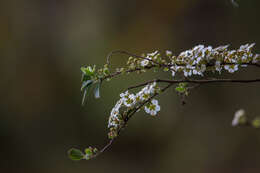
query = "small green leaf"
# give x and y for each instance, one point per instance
(86, 84)
(95, 150)
(256, 122)
(96, 91)
(166, 69)
(84, 95)
(88, 151)
(85, 77)
(180, 89)
(75, 154)
(89, 71)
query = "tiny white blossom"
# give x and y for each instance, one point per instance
(173, 73)
(195, 72)
(124, 95)
(114, 112)
(168, 53)
(243, 47)
(198, 47)
(187, 73)
(144, 63)
(247, 47)
(256, 58)
(218, 66)
(231, 68)
(130, 100)
(152, 108)
(153, 53)
(239, 114)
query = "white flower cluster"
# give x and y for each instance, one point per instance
(128, 101)
(149, 57)
(197, 60)
(152, 108)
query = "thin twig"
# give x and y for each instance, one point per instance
(129, 54)
(127, 71)
(197, 81)
(201, 81)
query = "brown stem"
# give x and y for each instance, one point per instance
(196, 81)
(129, 54)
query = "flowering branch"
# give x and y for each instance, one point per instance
(198, 61)
(126, 120)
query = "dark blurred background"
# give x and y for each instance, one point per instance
(44, 43)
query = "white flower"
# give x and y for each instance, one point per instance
(124, 95)
(152, 108)
(130, 100)
(231, 68)
(209, 48)
(153, 53)
(185, 53)
(243, 47)
(174, 69)
(256, 58)
(218, 66)
(221, 48)
(148, 89)
(168, 53)
(151, 88)
(144, 63)
(114, 112)
(173, 73)
(238, 115)
(195, 72)
(113, 122)
(251, 46)
(246, 47)
(244, 57)
(187, 73)
(138, 96)
(198, 47)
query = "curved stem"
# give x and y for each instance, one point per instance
(129, 54)
(128, 118)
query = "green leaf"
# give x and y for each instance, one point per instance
(96, 91)
(86, 84)
(89, 71)
(85, 77)
(256, 122)
(75, 154)
(88, 151)
(84, 95)
(95, 150)
(180, 89)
